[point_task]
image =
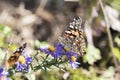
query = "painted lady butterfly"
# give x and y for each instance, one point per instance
(14, 58)
(73, 38)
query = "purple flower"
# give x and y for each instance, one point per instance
(74, 64)
(3, 71)
(45, 50)
(72, 56)
(55, 51)
(22, 67)
(70, 53)
(23, 63)
(28, 60)
(58, 50)
(3, 74)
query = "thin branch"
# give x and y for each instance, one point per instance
(108, 32)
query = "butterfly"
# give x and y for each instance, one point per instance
(14, 58)
(73, 38)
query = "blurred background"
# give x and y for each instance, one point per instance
(38, 21)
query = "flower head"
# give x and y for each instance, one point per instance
(22, 67)
(55, 51)
(23, 63)
(3, 74)
(28, 60)
(74, 64)
(72, 57)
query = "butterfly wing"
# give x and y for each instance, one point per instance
(14, 58)
(73, 37)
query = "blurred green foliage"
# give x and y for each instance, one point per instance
(116, 53)
(42, 44)
(79, 74)
(92, 54)
(117, 40)
(115, 4)
(5, 30)
(2, 55)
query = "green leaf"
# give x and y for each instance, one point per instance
(5, 30)
(1, 28)
(39, 44)
(1, 41)
(92, 54)
(117, 40)
(13, 47)
(116, 4)
(108, 73)
(116, 53)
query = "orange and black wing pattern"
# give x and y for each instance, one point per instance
(14, 58)
(73, 37)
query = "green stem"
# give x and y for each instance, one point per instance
(108, 32)
(37, 60)
(47, 64)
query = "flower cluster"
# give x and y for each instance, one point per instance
(3, 74)
(23, 63)
(58, 50)
(18, 62)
